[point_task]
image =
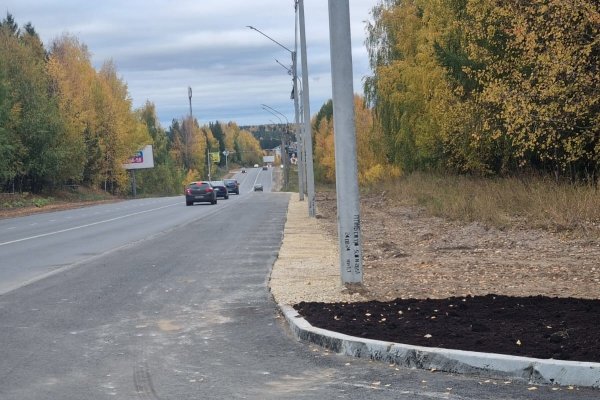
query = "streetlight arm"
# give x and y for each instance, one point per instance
(269, 37)
(271, 108)
(269, 111)
(289, 71)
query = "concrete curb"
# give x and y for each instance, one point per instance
(532, 370)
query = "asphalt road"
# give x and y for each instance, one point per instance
(179, 310)
(35, 246)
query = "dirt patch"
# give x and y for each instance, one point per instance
(539, 326)
(29, 210)
(504, 291)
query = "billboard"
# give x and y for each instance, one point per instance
(141, 159)
(268, 159)
(215, 157)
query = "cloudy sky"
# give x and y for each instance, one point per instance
(161, 47)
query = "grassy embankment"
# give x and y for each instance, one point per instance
(501, 202)
(17, 203)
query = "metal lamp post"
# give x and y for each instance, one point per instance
(310, 177)
(284, 155)
(306, 142)
(346, 171)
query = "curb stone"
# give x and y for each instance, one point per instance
(525, 369)
(306, 269)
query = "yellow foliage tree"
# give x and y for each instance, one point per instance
(541, 79)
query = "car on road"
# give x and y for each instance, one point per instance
(255, 165)
(265, 168)
(243, 170)
(258, 187)
(220, 188)
(200, 192)
(232, 185)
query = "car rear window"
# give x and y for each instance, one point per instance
(198, 185)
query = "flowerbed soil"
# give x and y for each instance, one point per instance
(517, 291)
(534, 326)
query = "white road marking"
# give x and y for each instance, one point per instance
(85, 226)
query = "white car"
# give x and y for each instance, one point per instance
(255, 165)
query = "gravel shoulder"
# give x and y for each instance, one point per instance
(408, 254)
(437, 283)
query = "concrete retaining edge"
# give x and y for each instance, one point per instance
(531, 370)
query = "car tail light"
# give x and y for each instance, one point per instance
(209, 190)
(188, 191)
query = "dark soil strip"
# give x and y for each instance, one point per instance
(536, 326)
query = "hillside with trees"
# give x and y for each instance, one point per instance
(62, 122)
(487, 87)
(474, 87)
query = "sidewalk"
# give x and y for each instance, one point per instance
(307, 269)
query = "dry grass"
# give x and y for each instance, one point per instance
(502, 202)
(20, 204)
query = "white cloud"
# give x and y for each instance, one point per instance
(161, 47)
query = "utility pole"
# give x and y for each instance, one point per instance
(190, 97)
(300, 149)
(284, 155)
(310, 175)
(346, 171)
(294, 72)
(189, 130)
(191, 127)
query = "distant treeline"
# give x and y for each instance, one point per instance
(488, 87)
(63, 122)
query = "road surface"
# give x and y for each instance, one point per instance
(150, 299)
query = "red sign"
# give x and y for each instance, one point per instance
(138, 158)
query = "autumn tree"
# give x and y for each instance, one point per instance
(165, 178)
(487, 86)
(40, 152)
(119, 132)
(408, 84)
(73, 81)
(324, 148)
(541, 80)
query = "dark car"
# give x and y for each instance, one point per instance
(200, 192)
(258, 187)
(232, 185)
(221, 189)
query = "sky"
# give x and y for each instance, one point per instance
(162, 47)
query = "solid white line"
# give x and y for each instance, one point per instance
(85, 226)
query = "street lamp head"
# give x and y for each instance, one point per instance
(269, 37)
(289, 70)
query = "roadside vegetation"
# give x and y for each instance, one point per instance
(477, 110)
(62, 122)
(530, 202)
(480, 110)
(23, 203)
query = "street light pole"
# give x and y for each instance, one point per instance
(298, 128)
(188, 134)
(284, 154)
(303, 167)
(190, 97)
(310, 176)
(346, 171)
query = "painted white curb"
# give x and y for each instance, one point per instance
(532, 370)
